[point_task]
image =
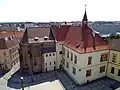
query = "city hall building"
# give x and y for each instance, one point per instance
(78, 49)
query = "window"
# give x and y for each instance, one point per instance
(114, 57)
(67, 64)
(74, 71)
(103, 57)
(46, 64)
(71, 56)
(28, 51)
(112, 70)
(63, 61)
(35, 62)
(67, 53)
(46, 55)
(102, 69)
(14, 62)
(60, 52)
(63, 51)
(75, 59)
(89, 60)
(50, 63)
(88, 73)
(53, 54)
(49, 54)
(54, 62)
(118, 72)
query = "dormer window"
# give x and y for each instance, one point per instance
(45, 38)
(36, 38)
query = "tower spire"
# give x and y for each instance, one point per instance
(85, 15)
(84, 31)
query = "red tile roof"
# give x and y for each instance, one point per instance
(6, 44)
(15, 34)
(61, 32)
(78, 39)
(75, 38)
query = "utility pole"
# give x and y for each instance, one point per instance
(22, 86)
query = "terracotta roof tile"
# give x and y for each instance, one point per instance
(15, 34)
(61, 32)
(78, 39)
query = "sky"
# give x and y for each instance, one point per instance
(58, 10)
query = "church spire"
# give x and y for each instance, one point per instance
(85, 20)
(84, 31)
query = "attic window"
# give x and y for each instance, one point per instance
(68, 42)
(77, 45)
(36, 38)
(45, 38)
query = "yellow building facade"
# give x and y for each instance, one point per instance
(114, 65)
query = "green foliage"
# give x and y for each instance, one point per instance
(112, 36)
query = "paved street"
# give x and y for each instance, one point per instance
(101, 84)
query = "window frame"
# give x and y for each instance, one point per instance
(88, 72)
(118, 74)
(75, 59)
(89, 60)
(112, 70)
(71, 58)
(114, 57)
(74, 70)
(67, 64)
(102, 69)
(104, 57)
(67, 53)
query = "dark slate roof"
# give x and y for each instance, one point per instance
(114, 44)
(106, 28)
(49, 49)
(37, 32)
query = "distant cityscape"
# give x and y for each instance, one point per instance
(103, 27)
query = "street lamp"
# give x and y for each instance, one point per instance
(22, 83)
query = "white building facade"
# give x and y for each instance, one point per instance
(84, 67)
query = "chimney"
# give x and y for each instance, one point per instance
(93, 34)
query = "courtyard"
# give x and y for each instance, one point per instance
(104, 83)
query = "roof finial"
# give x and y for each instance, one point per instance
(85, 7)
